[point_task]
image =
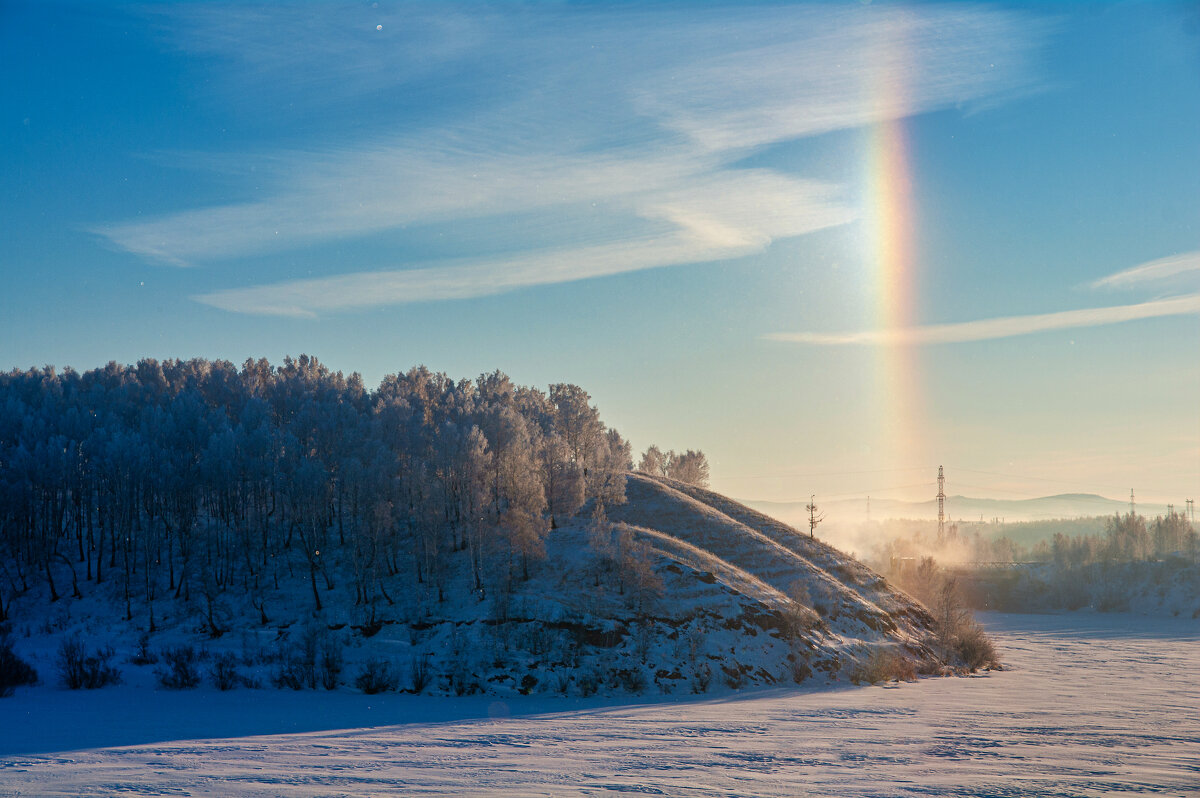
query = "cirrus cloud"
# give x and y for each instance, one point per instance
(646, 113)
(1009, 326)
(1005, 327)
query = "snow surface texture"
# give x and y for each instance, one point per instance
(737, 599)
(1092, 705)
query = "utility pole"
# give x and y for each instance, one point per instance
(941, 497)
(813, 518)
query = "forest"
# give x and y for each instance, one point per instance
(1120, 562)
(186, 479)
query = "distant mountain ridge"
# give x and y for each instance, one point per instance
(965, 508)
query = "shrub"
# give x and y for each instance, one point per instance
(223, 672)
(418, 672)
(14, 671)
(144, 655)
(80, 670)
(462, 680)
(701, 678)
(883, 665)
(376, 676)
(589, 683)
(182, 669)
(633, 680)
(290, 674)
(824, 600)
(795, 621)
(330, 666)
(799, 669)
(562, 681)
(314, 659)
(799, 617)
(975, 648)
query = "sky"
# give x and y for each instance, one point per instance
(833, 246)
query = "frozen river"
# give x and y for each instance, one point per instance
(1092, 705)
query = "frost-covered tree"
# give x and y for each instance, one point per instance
(690, 467)
(577, 421)
(188, 478)
(1128, 538)
(562, 480)
(1170, 533)
(655, 462)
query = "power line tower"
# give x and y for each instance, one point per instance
(941, 497)
(1132, 510)
(1191, 510)
(813, 517)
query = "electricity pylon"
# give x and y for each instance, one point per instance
(941, 497)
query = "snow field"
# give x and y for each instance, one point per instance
(1092, 705)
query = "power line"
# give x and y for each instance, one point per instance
(859, 495)
(1027, 478)
(1024, 494)
(793, 475)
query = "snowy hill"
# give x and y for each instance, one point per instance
(679, 590)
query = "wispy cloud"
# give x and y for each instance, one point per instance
(1154, 271)
(320, 53)
(309, 298)
(1159, 272)
(1006, 327)
(798, 75)
(724, 217)
(642, 112)
(368, 190)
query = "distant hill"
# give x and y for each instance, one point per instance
(965, 508)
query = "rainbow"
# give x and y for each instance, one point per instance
(892, 267)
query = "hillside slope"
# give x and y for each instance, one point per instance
(855, 609)
(677, 590)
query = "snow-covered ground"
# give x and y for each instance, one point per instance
(1091, 705)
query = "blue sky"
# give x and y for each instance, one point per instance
(666, 205)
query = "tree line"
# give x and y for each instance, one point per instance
(1128, 538)
(1065, 543)
(189, 478)
(690, 466)
(1133, 560)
